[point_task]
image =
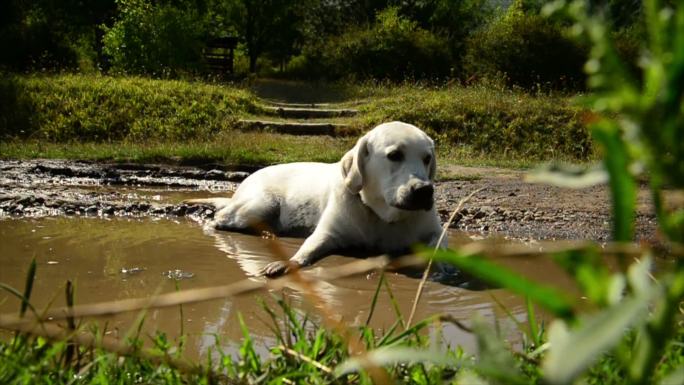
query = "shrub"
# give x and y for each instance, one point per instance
(394, 48)
(629, 45)
(160, 40)
(526, 50)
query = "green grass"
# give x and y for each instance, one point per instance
(302, 351)
(236, 148)
(138, 119)
(226, 148)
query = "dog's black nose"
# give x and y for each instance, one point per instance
(423, 193)
(421, 196)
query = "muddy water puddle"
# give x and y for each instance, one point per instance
(119, 258)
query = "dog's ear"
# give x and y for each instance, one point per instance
(353, 166)
(433, 165)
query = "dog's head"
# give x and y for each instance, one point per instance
(392, 167)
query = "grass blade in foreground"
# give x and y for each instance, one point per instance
(572, 353)
(30, 277)
(496, 362)
(547, 297)
(622, 185)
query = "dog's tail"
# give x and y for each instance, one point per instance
(217, 203)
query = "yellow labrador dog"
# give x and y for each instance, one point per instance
(379, 198)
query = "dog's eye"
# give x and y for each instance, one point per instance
(395, 156)
(427, 159)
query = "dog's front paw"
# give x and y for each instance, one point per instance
(275, 269)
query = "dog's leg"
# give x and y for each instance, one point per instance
(436, 242)
(440, 270)
(316, 246)
(251, 215)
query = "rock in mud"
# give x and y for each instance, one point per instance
(132, 270)
(178, 274)
(236, 176)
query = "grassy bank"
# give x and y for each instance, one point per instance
(136, 119)
(499, 123)
(99, 108)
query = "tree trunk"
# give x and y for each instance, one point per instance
(250, 36)
(252, 61)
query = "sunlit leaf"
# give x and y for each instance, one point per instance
(532, 322)
(622, 184)
(638, 275)
(573, 352)
(470, 377)
(674, 378)
(568, 176)
(389, 356)
(616, 288)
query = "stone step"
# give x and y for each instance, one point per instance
(296, 105)
(308, 112)
(292, 128)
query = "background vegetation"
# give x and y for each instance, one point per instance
(175, 116)
(435, 40)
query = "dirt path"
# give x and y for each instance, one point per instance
(507, 206)
(511, 207)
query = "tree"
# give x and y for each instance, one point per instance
(263, 25)
(48, 33)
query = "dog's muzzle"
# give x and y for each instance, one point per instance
(419, 197)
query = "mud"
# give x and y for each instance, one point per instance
(507, 206)
(51, 188)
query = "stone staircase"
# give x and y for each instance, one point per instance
(296, 119)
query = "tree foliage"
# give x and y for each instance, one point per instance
(394, 47)
(379, 39)
(52, 34)
(525, 49)
(154, 39)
